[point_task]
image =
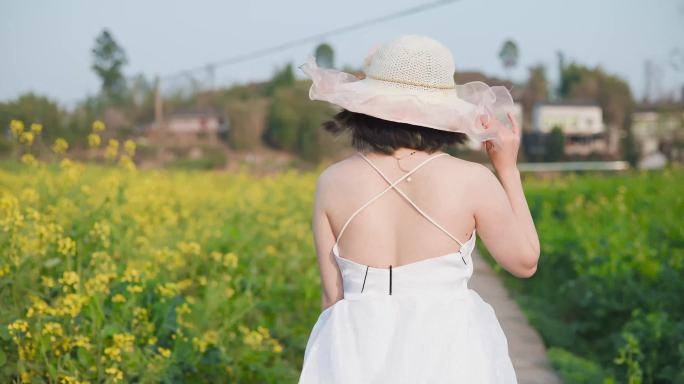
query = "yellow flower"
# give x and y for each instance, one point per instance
(277, 347)
(115, 373)
(164, 352)
(66, 246)
(230, 259)
(112, 149)
(134, 288)
(81, 341)
(129, 146)
(60, 146)
(113, 353)
(126, 162)
(18, 325)
(124, 341)
(253, 339)
(98, 126)
(4, 270)
(36, 128)
(16, 127)
(70, 305)
(118, 298)
(69, 278)
(94, 140)
(47, 282)
(27, 137)
(28, 159)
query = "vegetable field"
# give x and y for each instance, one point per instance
(111, 274)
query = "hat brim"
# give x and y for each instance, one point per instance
(455, 109)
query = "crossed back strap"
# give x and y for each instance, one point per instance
(391, 186)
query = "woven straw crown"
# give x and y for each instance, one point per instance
(413, 61)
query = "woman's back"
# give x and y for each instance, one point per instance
(390, 230)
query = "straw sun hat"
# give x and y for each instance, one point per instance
(411, 80)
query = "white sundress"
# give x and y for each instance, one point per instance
(414, 323)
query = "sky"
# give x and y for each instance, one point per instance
(46, 45)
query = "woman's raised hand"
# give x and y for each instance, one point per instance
(502, 149)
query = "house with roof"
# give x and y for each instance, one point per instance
(189, 127)
(580, 121)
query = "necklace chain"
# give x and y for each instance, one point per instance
(399, 164)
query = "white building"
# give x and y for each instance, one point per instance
(656, 130)
(189, 127)
(581, 124)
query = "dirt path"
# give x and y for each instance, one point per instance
(524, 343)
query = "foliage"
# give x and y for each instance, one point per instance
(576, 370)
(325, 56)
(613, 94)
(608, 288)
(536, 90)
(294, 121)
(555, 145)
(282, 78)
(33, 108)
(509, 54)
(109, 59)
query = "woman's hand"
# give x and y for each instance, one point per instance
(503, 149)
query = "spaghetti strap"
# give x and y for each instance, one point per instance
(391, 186)
(411, 201)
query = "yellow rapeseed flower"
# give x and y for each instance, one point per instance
(94, 140)
(164, 352)
(37, 128)
(28, 159)
(69, 278)
(66, 246)
(129, 146)
(112, 149)
(126, 162)
(16, 127)
(98, 126)
(253, 339)
(115, 373)
(27, 137)
(118, 298)
(60, 146)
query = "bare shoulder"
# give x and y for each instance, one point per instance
(474, 173)
(329, 180)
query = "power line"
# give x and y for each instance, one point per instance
(292, 43)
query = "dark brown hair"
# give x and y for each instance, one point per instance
(369, 133)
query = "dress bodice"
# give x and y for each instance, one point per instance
(444, 274)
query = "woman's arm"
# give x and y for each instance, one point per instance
(331, 280)
(503, 218)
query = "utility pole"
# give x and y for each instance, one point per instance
(158, 107)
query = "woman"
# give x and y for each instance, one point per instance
(396, 305)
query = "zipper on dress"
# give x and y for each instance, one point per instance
(390, 282)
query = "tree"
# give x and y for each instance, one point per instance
(509, 54)
(33, 108)
(555, 145)
(108, 62)
(536, 90)
(612, 93)
(325, 57)
(282, 78)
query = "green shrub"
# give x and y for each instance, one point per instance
(609, 284)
